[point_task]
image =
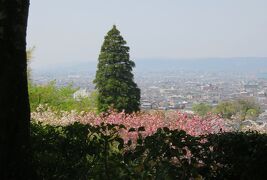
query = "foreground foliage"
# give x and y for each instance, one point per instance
(80, 151)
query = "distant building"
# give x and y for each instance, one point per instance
(81, 93)
(262, 94)
(251, 87)
(162, 108)
(146, 104)
(244, 93)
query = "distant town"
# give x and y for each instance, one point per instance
(177, 89)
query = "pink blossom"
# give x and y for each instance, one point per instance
(151, 121)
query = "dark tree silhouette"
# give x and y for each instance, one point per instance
(14, 103)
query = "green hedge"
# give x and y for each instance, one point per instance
(86, 152)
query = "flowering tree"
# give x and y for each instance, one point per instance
(193, 125)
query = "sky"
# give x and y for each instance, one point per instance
(67, 31)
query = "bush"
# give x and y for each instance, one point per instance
(97, 152)
(240, 109)
(241, 155)
(59, 98)
(202, 109)
(193, 125)
(76, 151)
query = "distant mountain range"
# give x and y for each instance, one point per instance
(251, 64)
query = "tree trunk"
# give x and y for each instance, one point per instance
(14, 102)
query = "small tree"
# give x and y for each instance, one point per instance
(114, 79)
(202, 109)
(226, 109)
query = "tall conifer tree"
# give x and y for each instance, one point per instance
(114, 77)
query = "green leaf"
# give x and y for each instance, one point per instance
(132, 130)
(141, 128)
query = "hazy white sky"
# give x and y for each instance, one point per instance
(73, 31)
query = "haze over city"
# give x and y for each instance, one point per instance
(70, 32)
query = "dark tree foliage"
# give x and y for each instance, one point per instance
(81, 151)
(14, 103)
(114, 77)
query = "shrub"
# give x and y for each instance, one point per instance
(80, 151)
(76, 151)
(193, 125)
(59, 98)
